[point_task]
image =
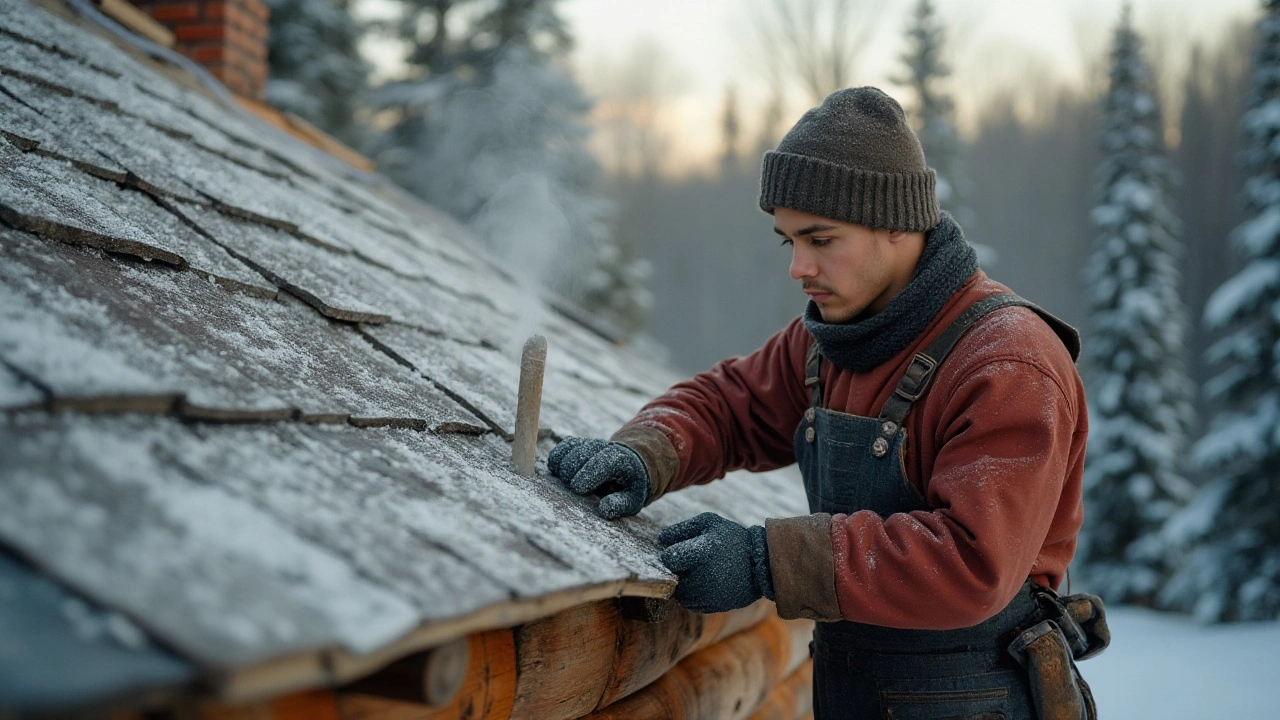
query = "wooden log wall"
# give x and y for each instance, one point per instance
(487, 691)
(726, 681)
(567, 665)
(790, 698)
(591, 659)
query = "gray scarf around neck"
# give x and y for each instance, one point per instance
(862, 345)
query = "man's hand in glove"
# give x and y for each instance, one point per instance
(722, 565)
(588, 465)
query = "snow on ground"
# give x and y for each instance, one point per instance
(1169, 667)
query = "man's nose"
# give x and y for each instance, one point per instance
(802, 266)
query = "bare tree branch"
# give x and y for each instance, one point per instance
(815, 43)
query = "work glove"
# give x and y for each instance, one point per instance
(722, 565)
(588, 465)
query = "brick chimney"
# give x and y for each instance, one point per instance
(227, 37)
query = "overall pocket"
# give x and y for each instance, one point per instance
(972, 697)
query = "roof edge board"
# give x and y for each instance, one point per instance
(336, 666)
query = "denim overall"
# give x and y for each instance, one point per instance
(853, 463)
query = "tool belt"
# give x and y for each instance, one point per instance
(1048, 643)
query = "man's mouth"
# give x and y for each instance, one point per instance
(817, 294)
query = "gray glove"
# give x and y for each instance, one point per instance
(589, 465)
(722, 565)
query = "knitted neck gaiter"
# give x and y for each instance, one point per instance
(861, 346)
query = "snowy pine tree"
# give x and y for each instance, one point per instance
(933, 116)
(1139, 394)
(1230, 533)
(316, 69)
(491, 127)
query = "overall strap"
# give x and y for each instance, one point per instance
(915, 381)
(812, 380)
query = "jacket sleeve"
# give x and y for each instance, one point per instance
(742, 413)
(1009, 436)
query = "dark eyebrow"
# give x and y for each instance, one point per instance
(814, 228)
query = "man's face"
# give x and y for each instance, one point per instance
(847, 270)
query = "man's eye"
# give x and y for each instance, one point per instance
(786, 241)
(820, 242)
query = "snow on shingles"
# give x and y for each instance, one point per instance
(68, 38)
(56, 200)
(35, 24)
(229, 353)
(427, 226)
(482, 376)
(588, 356)
(572, 408)
(549, 518)
(170, 165)
(344, 490)
(122, 95)
(97, 502)
(273, 539)
(317, 217)
(64, 327)
(87, 125)
(747, 498)
(488, 379)
(325, 369)
(326, 279)
(16, 392)
(342, 285)
(28, 129)
(424, 230)
(454, 531)
(162, 163)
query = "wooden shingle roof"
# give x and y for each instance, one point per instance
(258, 405)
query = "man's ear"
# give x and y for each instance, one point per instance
(898, 236)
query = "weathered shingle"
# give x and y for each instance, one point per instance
(56, 200)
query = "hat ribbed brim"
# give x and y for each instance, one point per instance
(897, 201)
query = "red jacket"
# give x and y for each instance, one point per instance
(996, 446)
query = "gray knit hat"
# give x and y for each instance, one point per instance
(854, 159)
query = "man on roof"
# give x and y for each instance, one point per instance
(937, 419)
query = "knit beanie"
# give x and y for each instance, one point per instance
(854, 159)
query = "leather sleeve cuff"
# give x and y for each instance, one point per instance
(657, 452)
(803, 567)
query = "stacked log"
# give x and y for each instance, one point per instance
(729, 680)
(487, 691)
(791, 698)
(592, 661)
(587, 658)
(564, 666)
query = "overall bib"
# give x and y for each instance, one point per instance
(851, 463)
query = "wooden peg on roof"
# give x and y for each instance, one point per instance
(524, 451)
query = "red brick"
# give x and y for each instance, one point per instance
(214, 9)
(208, 54)
(205, 31)
(243, 21)
(241, 41)
(174, 11)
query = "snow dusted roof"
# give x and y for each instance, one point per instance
(259, 406)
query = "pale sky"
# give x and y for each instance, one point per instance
(701, 48)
